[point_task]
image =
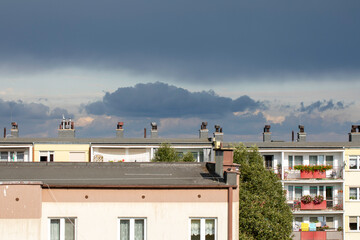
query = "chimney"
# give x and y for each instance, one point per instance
(154, 131)
(203, 133)
(301, 136)
(14, 130)
(354, 135)
(267, 134)
(218, 134)
(66, 128)
(120, 130)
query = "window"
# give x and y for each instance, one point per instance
(321, 160)
(132, 228)
(354, 223)
(203, 229)
(354, 194)
(62, 228)
(46, 156)
(354, 162)
(295, 160)
(12, 156)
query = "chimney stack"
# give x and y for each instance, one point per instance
(66, 128)
(218, 134)
(154, 131)
(203, 133)
(354, 135)
(267, 134)
(120, 130)
(301, 136)
(14, 130)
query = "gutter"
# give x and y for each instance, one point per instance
(230, 212)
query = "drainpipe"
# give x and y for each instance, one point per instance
(230, 212)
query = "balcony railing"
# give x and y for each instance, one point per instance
(335, 204)
(317, 235)
(334, 173)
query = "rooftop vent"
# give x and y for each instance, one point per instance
(301, 136)
(204, 132)
(218, 134)
(267, 134)
(354, 135)
(120, 130)
(154, 131)
(66, 128)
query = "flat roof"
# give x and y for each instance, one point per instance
(122, 141)
(296, 145)
(55, 174)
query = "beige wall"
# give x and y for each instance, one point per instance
(61, 151)
(20, 229)
(167, 211)
(20, 201)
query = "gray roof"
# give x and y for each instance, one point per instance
(297, 145)
(111, 174)
(120, 141)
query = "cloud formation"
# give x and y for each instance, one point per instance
(203, 40)
(160, 100)
(322, 106)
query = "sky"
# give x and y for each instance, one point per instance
(239, 64)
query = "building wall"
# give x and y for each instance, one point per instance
(20, 212)
(61, 151)
(352, 208)
(167, 212)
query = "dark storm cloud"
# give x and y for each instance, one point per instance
(34, 119)
(163, 100)
(322, 106)
(204, 38)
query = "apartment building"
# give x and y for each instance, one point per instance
(67, 148)
(123, 201)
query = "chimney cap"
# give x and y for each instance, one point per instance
(301, 128)
(217, 128)
(267, 128)
(203, 125)
(120, 125)
(153, 125)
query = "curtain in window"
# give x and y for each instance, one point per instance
(139, 229)
(298, 193)
(69, 229)
(298, 160)
(195, 229)
(313, 160)
(124, 229)
(353, 193)
(209, 229)
(321, 160)
(55, 229)
(353, 163)
(290, 159)
(353, 223)
(313, 191)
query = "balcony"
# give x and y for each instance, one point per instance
(333, 174)
(318, 235)
(330, 205)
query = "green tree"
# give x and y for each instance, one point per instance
(263, 212)
(188, 157)
(165, 153)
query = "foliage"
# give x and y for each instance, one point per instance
(308, 168)
(188, 157)
(165, 153)
(318, 199)
(306, 199)
(263, 212)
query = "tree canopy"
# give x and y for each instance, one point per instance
(263, 212)
(166, 153)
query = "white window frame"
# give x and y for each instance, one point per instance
(202, 226)
(357, 158)
(48, 155)
(357, 194)
(293, 159)
(15, 156)
(132, 226)
(62, 226)
(357, 224)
